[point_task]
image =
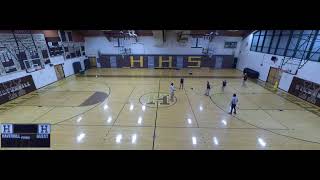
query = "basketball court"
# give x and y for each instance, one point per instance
(109, 89)
(123, 109)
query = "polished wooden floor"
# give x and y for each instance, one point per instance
(124, 72)
(129, 113)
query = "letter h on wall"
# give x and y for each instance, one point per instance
(140, 61)
(161, 60)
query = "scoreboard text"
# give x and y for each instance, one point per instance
(25, 135)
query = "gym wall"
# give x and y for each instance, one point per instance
(261, 62)
(165, 61)
(148, 45)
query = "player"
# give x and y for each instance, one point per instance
(245, 77)
(181, 83)
(233, 104)
(171, 90)
(224, 84)
(208, 89)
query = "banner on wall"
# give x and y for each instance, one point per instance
(15, 88)
(306, 90)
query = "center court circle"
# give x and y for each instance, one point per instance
(155, 99)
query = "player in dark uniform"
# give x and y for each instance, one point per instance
(181, 83)
(224, 84)
(208, 89)
(245, 77)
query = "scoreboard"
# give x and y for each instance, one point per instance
(25, 135)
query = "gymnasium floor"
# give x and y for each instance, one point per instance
(107, 109)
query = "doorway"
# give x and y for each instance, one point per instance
(274, 75)
(93, 61)
(113, 61)
(219, 60)
(59, 71)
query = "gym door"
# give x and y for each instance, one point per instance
(273, 76)
(93, 61)
(219, 60)
(59, 71)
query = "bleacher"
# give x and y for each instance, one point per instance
(251, 73)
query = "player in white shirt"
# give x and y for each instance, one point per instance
(171, 90)
(233, 104)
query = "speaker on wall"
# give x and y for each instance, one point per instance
(274, 58)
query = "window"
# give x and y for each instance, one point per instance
(274, 44)
(291, 43)
(230, 45)
(305, 43)
(267, 41)
(277, 32)
(270, 32)
(254, 42)
(315, 51)
(260, 41)
(283, 42)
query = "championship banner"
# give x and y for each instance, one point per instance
(306, 90)
(15, 88)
